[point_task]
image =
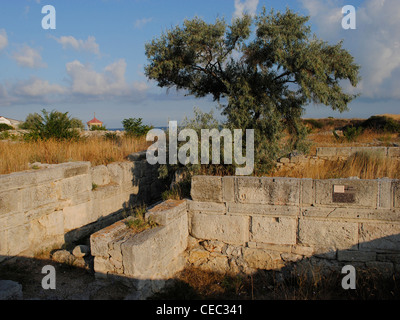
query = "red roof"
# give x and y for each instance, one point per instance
(95, 121)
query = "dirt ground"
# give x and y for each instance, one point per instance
(72, 283)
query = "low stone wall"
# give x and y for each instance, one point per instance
(345, 152)
(324, 154)
(40, 209)
(147, 259)
(241, 224)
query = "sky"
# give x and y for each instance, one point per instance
(93, 61)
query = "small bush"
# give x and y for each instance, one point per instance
(352, 133)
(134, 127)
(382, 124)
(314, 123)
(53, 125)
(98, 128)
(5, 127)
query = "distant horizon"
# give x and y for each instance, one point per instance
(82, 66)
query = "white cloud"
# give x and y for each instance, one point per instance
(142, 22)
(3, 39)
(29, 57)
(245, 6)
(88, 45)
(375, 43)
(110, 82)
(35, 87)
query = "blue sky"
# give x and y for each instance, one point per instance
(93, 61)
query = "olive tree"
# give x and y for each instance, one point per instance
(262, 71)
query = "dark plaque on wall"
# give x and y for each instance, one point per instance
(343, 194)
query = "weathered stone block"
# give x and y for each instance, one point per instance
(76, 169)
(328, 234)
(99, 241)
(10, 201)
(100, 175)
(261, 209)
(262, 259)
(77, 216)
(228, 184)
(276, 230)
(396, 193)
(229, 229)
(206, 207)
(38, 196)
(207, 188)
(382, 236)
(360, 193)
(385, 200)
(167, 212)
(307, 191)
(276, 191)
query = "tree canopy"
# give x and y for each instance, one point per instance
(262, 71)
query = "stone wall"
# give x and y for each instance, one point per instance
(40, 209)
(241, 224)
(145, 260)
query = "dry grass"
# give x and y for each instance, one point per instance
(300, 283)
(364, 165)
(368, 137)
(16, 156)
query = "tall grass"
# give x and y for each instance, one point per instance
(364, 165)
(16, 156)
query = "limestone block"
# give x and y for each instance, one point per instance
(75, 169)
(151, 250)
(99, 241)
(262, 259)
(307, 191)
(359, 193)
(167, 212)
(100, 175)
(76, 188)
(261, 209)
(17, 239)
(396, 192)
(328, 233)
(207, 188)
(206, 207)
(274, 230)
(229, 229)
(10, 201)
(47, 226)
(382, 236)
(276, 191)
(385, 200)
(116, 173)
(228, 184)
(37, 196)
(77, 216)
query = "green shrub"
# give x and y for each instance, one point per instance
(314, 123)
(98, 128)
(352, 133)
(382, 123)
(53, 125)
(5, 127)
(134, 127)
